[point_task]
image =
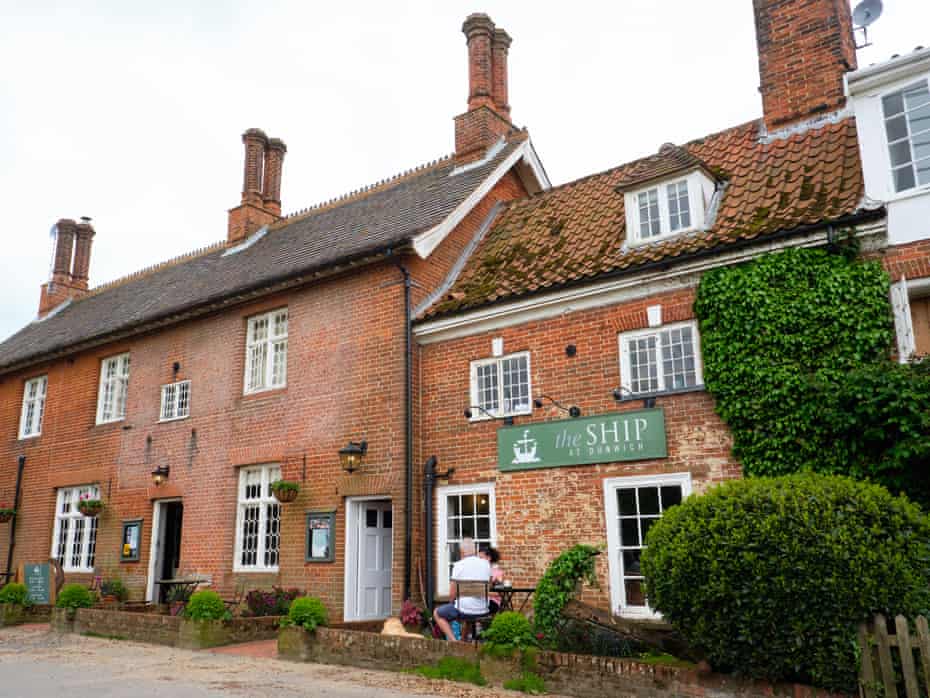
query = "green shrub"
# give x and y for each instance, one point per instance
(529, 682)
(509, 631)
(771, 576)
(558, 586)
(75, 596)
(15, 593)
(206, 604)
(114, 587)
(453, 669)
(307, 612)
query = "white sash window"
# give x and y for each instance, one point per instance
(114, 385)
(30, 423)
(266, 351)
(74, 542)
(258, 522)
(175, 401)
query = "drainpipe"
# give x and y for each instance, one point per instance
(408, 428)
(19, 480)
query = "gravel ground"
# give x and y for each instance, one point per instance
(37, 663)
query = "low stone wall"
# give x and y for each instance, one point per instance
(568, 674)
(13, 614)
(174, 631)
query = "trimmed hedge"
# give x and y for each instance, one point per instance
(206, 604)
(510, 630)
(74, 596)
(307, 612)
(15, 593)
(770, 577)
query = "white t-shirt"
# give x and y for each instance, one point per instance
(471, 569)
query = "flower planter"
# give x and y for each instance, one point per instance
(6, 516)
(89, 508)
(285, 496)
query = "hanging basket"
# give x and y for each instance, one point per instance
(90, 507)
(286, 492)
(6, 515)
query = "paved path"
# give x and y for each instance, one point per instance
(37, 663)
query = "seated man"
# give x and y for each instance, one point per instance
(474, 568)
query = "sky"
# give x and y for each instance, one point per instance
(132, 112)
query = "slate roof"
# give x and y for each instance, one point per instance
(576, 232)
(361, 224)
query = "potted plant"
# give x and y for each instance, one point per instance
(6, 513)
(113, 591)
(89, 506)
(411, 617)
(285, 491)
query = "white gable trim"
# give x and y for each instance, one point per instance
(619, 290)
(426, 242)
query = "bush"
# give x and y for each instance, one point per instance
(529, 682)
(114, 587)
(509, 630)
(558, 586)
(206, 604)
(270, 603)
(307, 612)
(770, 577)
(16, 594)
(453, 669)
(410, 614)
(74, 596)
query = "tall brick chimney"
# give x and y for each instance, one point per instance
(804, 47)
(488, 115)
(70, 240)
(261, 186)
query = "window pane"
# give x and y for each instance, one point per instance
(677, 347)
(468, 527)
(279, 363)
(919, 119)
(915, 96)
(468, 504)
(634, 592)
(649, 224)
(516, 384)
(645, 524)
(671, 495)
(904, 178)
(454, 530)
(484, 528)
(648, 500)
(893, 104)
(488, 387)
(921, 143)
(900, 153)
(896, 128)
(923, 171)
(387, 519)
(452, 504)
(272, 534)
(483, 504)
(631, 562)
(626, 501)
(371, 518)
(643, 370)
(629, 532)
(679, 211)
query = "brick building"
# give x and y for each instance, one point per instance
(265, 355)
(579, 300)
(258, 358)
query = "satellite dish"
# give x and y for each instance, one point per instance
(867, 12)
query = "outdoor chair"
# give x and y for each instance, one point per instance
(476, 589)
(235, 600)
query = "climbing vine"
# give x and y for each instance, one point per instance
(559, 585)
(796, 348)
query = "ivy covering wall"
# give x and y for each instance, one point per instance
(797, 354)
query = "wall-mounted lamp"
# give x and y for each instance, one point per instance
(350, 457)
(574, 411)
(160, 475)
(176, 366)
(648, 402)
(468, 414)
(571, 350)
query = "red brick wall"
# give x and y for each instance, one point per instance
(912, 261)
(804, 48)
(540, 513)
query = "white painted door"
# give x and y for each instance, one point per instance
(374, 559)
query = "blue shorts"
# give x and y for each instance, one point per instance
(449, 612)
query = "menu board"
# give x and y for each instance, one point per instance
(321, 536)
(36, 577)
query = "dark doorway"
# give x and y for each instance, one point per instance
(172, 514)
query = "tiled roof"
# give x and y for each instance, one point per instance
(577, 231)
(364, 223)
(670, 160)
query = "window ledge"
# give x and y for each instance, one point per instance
(662, 393)
(173, 419)
(484, 418)
(112, 424)
(922, 190)
(31, 438)
(259, 394)
(253, 570)
(636, 241)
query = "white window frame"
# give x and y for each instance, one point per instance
(269, 342)
(624, 339)
(175, 401)
(918, 188)
(120, 382)
(615, 558)
(89, 524)
(31, 427)
(442, 508)
(478, 415)
(695, 211)
(268, 472)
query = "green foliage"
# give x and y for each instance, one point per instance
(795, 348)
(771, 576)
(453, 669)
(558, 586)
(664, 659)
(15, 593)
(510, 631)
(206, 604)
(114, 587)
(285, 486)
(307, 612)
(578, 637)
(74, 596)
(529, 682)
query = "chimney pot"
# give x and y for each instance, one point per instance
(261, 186)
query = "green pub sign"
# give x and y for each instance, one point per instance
(619, 436)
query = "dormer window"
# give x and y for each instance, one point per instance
(907, 128)
(655, 219)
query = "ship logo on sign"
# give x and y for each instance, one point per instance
(524, 450)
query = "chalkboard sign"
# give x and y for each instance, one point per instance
(37, 578)
(321, 536)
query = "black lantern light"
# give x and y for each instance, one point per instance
(649, 401)
(573, 411)
(160, 475)
(508, 420)
(351, 456)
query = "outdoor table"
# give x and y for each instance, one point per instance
(507, 596)
(189, 584)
